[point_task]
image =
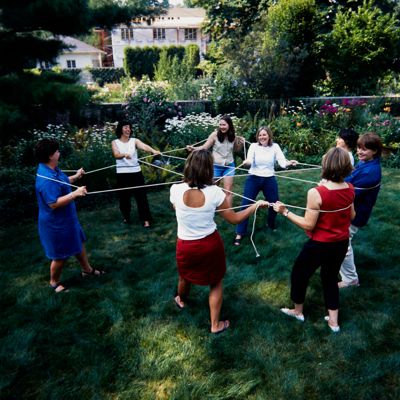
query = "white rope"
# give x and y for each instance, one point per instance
(297, 179)
(252, 232)
(100, 169)
(171, 151)
(56, 180)
(157, 166)
(134, 187)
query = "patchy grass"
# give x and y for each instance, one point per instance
(121, 336)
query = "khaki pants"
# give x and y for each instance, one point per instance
(348, 270)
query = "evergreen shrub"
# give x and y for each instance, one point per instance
(140, 61)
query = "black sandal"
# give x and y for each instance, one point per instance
(60, 286)
(93, 272)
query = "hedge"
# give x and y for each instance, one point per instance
(139, 61)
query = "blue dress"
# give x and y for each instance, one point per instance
(59, 229)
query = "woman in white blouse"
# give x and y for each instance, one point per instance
(262, 157)
(200, 254)
(129, 173)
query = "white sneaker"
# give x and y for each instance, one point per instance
(344, 284)
(334, 329)
(287, 311)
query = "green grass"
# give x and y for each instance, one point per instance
(121, 336)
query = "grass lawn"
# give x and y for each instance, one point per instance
(122, 337)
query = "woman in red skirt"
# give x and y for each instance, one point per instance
(200, 253)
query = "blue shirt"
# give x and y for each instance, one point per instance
(59, 229)
(365, 176)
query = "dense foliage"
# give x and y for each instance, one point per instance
(29, 34)
(139, 61)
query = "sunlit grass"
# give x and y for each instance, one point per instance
(122, 337)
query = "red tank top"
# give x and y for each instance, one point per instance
(333, 226)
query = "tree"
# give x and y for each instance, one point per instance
(362, 46)
(278, 58)
(29, 33)
(233, 18)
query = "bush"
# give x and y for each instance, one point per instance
(231, 94)
(148, 107)
(107, 75)
(88, 148)
(140, 61)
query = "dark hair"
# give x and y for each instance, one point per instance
(199, 169)
(118, 130)
(270, 134)
(44, 149)
(371, 141)
(336, 165)
(231, 131)
(349, 136)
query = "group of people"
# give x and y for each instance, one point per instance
(335, 210)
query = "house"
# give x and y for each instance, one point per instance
(180, 27)
(79, 55)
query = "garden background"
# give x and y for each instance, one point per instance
(121, 336)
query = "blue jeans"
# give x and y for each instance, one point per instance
(253, 185)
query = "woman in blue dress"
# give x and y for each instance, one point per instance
(60, 232)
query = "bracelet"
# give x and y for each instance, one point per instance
(285, 214)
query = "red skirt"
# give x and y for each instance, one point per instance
(201, 261)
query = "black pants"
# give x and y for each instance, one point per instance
(129, 180)
(328, 256)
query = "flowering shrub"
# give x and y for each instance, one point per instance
(192, 128)
(148, 106)
(231, 93)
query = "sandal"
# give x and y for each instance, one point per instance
(225, 327)
(179, 302)
(58, 287)
(93, 272)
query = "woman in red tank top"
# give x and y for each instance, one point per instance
(326, 221)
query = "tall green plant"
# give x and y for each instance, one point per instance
(362, 46)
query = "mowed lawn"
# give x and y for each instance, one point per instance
(122, 337)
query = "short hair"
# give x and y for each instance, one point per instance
(44, 149)
(350, 137)
(371, 141)
(336, 165)
(199, 169)
(120, 125)
(270, 134)
(231, 131)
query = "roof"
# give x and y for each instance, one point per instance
(175, 17)
(77, 46)
(186, 12)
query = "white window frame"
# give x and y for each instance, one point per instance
(127, 34)
(190, 34)
(71, 64)
(159, 33)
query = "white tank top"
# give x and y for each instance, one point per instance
(127, 165)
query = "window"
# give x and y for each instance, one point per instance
(127, 33)
(71, 64)
(190, 34)
(159, 34)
